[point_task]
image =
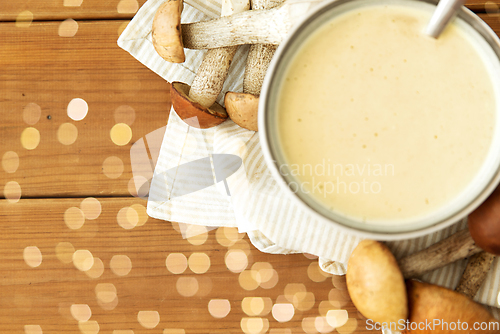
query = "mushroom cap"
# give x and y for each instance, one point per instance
(429, 302)
(242, 108)
(187, 108)
(375, 283)
(166, 32)
(484, 224)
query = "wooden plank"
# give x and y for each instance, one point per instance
(481, 6)
(113, 9)
(41, 293)
(42, 70)
(74, 9)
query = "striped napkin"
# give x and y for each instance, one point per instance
(249, 199)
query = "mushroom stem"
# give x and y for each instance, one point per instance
(456, 247)
(214, 68)
(259, 57)
(267, 26)
(211, 75)
(475, 273)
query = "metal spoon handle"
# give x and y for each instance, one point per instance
(444, 12)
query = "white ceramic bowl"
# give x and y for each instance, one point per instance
(477, 190)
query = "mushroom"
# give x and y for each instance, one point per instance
(196, 104)
(258, 26)
(166, 33)
(375, 283)
(483, 233)
(435, 309)
(484, 224)
(242, 107)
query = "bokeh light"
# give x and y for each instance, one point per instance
(125, 114)
(113, 167)
(121, 134)
(120, 265)
(105, 292)
(303, 301)
(127, 7)
(91, 208)
(322, 326)
(236, 260)
(256, 306)
(24, 19)
(283, 312)
(97, 269)
(33, 329)
(72, 3)
(309, 325)
(199, 263)
(81, 312)
(31, 113)
(83, 259)
(196, 234)
(349, 327)
(247, 281)
(32, 256)
(12, 192)
(176, 263)
(10, 162)
(254, 325)
(30, 138)
(187, 286)
(89, 327)
(148, 319)
(291, 289)
(491, 8)
(64, 252)
(219, 308)
(67, 133)
(338, 297)
(337, 318)
(68, 28)
(141, 213)
(77, 109)
(74, 218)
(339, 282)
(127, 218)
(315, 273)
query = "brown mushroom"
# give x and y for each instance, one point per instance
(484, 224)
(434, 309)
(483, 233)
(196, 104)
(166, 33)
(375, 283)
(242, 107)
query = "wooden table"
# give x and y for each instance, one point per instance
(77, 252)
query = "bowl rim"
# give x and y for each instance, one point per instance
(264, 130)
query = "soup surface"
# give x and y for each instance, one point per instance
(380, 122)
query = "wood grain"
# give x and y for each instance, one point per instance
(42, 295)
(75, 9)
(97, 9)
(39, 66)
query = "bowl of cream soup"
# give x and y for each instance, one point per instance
(369, 124)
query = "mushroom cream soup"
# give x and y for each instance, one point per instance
(381, 123)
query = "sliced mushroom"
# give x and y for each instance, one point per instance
(166, 33)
